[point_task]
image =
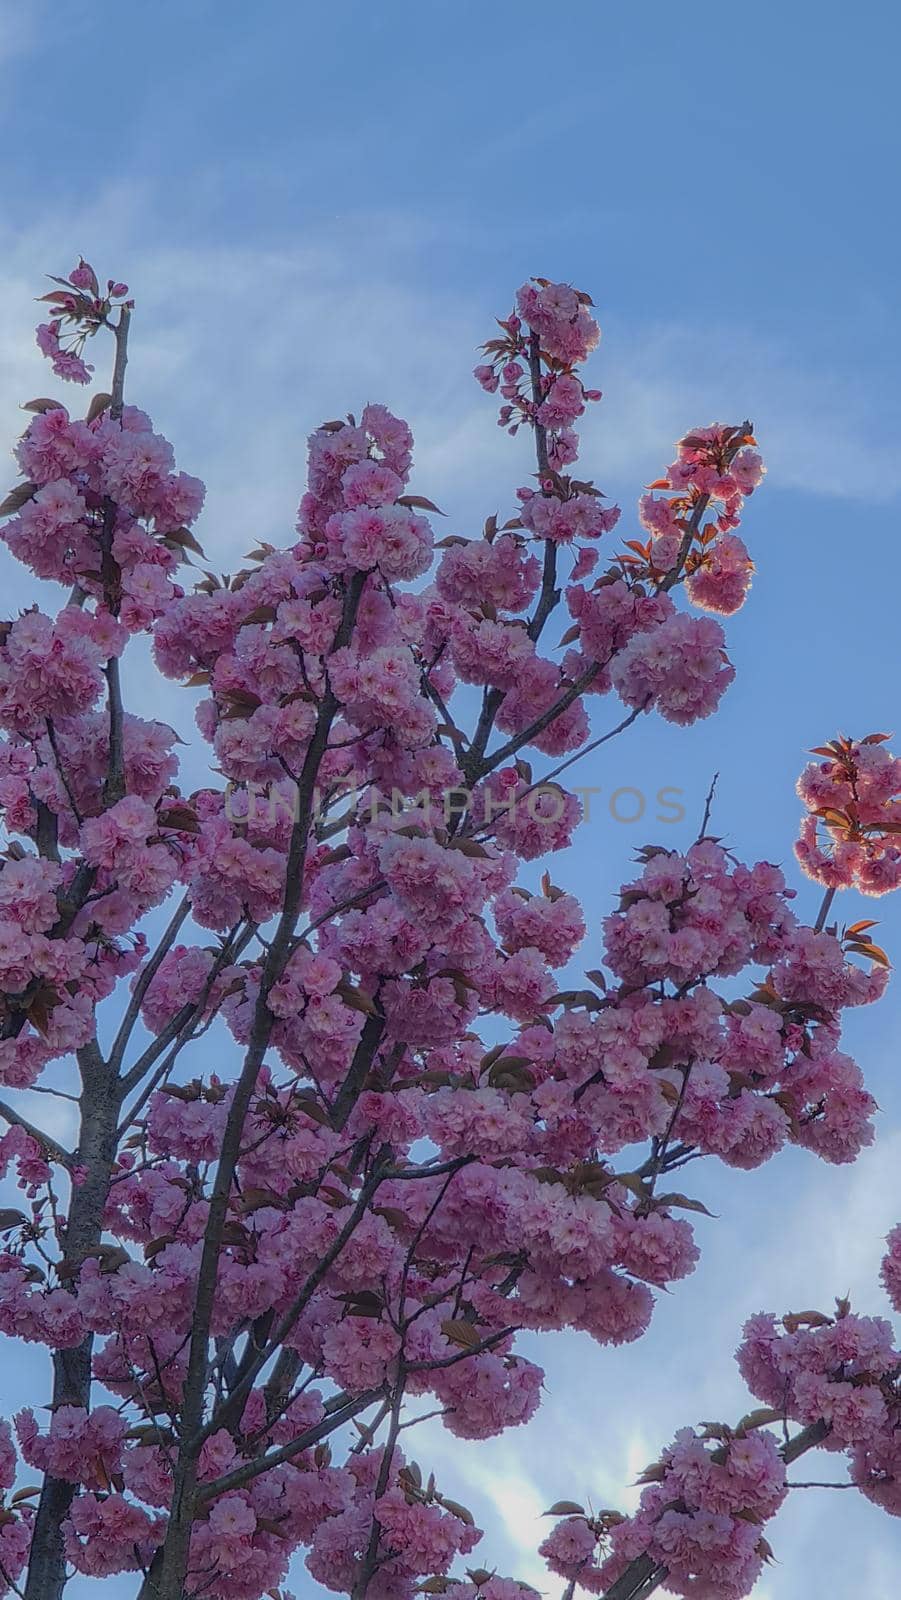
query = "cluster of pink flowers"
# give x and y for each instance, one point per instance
(51, 670)
(561, 318)
(720, 580)
(563, 333)
(57, 961)
(502, 571)
(570, 514)
(15, 1519)
(816, 1368)
(715, 470)
(356, 514)
(681, 668)
(851, 835)
(79, 305)
(80, 1447)
(102, 499)
(699, 1519)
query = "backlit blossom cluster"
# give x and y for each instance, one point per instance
(533, 364)
(851, 833)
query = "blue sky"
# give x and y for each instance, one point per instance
(320, 206)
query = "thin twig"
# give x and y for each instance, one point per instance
(168, 1572)
(824, 1485)
(148, 973)
(370, 1559)
(708, 807)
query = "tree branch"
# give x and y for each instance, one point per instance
(474, 766)
(96, 1153)
(234, 1405)
(148, 973)
(697, 516)
(64, 1157)
(287, 1452)
(174, 1557)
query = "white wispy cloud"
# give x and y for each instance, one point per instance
(822, 429)
(240, 351)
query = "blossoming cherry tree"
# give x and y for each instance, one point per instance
(419, 1140)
